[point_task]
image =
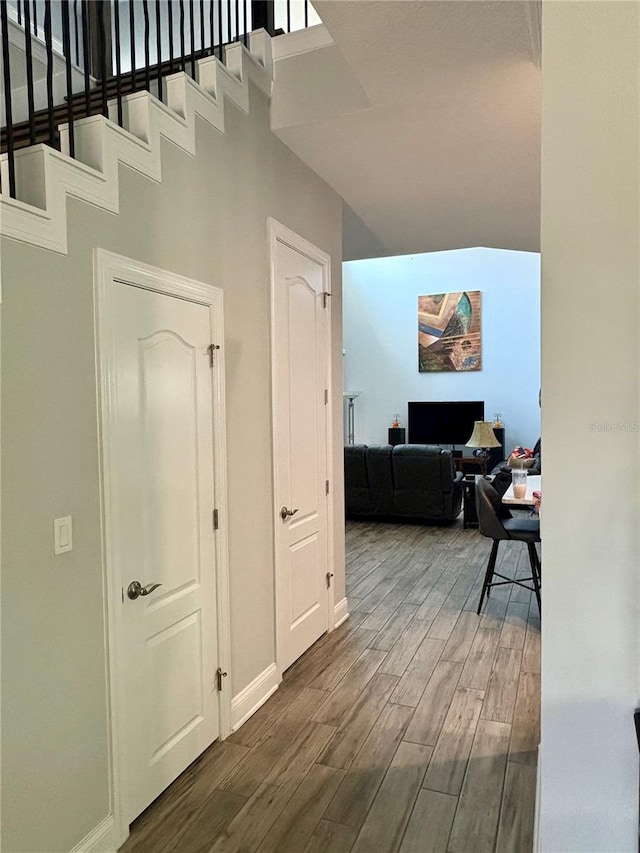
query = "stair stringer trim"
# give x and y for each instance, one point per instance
(45, 178)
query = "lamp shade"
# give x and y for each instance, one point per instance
(483, 435)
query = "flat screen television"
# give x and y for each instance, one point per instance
(443, 423)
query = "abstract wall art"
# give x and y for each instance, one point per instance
(449, 336)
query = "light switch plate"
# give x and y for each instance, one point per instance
(62, 535)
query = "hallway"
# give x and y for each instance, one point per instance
(412, 727)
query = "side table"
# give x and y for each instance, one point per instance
(396, 436)
(469, 514)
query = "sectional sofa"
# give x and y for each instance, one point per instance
(409, 481)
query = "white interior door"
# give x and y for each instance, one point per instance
(300, 363)
(162, 502)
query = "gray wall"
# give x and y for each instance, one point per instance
(358, 241)
(590, 373)
(206, 220)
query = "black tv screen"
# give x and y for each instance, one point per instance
(443, 423)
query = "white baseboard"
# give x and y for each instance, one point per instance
(99, 840)
(254, 695)
(536, 811)
(340, 612)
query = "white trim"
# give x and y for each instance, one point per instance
(279, 233)
(254, 695)
(301, 41)
(107, 268)
(340, 613)
(536, 809)
(328, 410)
(100, 839)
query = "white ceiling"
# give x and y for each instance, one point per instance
(424, 116)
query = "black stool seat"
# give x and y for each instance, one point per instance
(523, 529)
(497, 523)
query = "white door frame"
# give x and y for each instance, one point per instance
(109, 268)
(279, 233)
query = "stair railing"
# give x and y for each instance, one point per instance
(95, 52)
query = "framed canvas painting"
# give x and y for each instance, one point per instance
(449, 337)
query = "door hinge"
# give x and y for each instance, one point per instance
(219, 676)
(325, 295)
(326, 487)
(212, 351)
(329, 576)
(215, 519)
(326, 396)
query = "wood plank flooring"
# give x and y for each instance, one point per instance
(413, 727)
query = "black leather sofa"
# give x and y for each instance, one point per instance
(412, 481)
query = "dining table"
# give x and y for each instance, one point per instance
(534, 484)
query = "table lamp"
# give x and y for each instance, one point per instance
(483, 437)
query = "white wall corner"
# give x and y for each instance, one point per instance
(254, 695)
(340, 613)
(102, 839)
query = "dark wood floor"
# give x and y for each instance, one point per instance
(413, 727)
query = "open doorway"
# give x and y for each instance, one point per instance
(472, 681)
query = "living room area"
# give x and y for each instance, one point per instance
(469, 678)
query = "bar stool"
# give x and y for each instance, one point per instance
(496, 523)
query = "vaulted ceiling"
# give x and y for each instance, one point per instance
(424, 116)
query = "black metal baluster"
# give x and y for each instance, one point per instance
(29, 69)
(228, 21)
(245, 28)
(102, 56)
(182, 47)
(66, 48)
(237, 35)
(132, 34)
(35, 18)
(84, 8)
(6, 68)
(201, 4)
(220, 40)
(211, 26)
(147, 76)
(116, 20)
(19, 11)
(262, 15)
(306, 13)
(76, 33)
(170, 13)
(49, 46)
(159, 48)
(192, 39)
(288, 16)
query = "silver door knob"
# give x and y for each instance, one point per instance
(136, 589)
(287, 513)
